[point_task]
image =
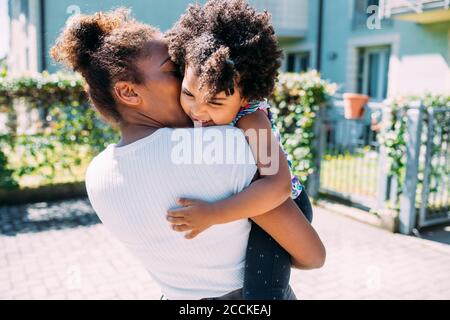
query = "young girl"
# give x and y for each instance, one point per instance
(229, 56)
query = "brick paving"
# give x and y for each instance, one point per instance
(61, 251)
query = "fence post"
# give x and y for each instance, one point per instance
(383, 161)
(319, 145)
(427, 170)
(393, 195)
(408, 197)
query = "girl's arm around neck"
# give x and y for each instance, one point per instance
(274, 186)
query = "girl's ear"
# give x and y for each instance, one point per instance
(244, 101)
(126, 93)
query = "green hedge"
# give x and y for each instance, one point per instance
(72, 133)
(296, 102)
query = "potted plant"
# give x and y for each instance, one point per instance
(354, 105)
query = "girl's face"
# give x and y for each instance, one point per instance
(219, 110)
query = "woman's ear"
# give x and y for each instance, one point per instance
(126, 93)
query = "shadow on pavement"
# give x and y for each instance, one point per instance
(438, 234)
(39, 217)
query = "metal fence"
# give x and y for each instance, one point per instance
(353, 166)
(350, 155)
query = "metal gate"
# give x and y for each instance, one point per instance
(434, 194)
(353, 165)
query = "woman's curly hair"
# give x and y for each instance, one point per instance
(227, 42)
(104, 47)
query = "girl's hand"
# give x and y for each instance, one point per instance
(195, 216)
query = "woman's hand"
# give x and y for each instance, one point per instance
(195, 216)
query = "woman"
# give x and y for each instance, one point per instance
(133, 84)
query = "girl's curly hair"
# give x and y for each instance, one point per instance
(227, 42)
(104, 47)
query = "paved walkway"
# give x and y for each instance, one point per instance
(60, 251)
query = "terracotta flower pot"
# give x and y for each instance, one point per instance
(354, 105)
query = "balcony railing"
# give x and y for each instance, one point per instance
(290, 17)
(396, 7)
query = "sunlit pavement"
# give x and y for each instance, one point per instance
(60, 251)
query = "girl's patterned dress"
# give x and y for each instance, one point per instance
(297, 187)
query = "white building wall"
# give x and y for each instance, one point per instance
(420, 74)
(25, 53)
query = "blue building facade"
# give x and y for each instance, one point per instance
(381, 48)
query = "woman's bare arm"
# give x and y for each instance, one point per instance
(295, 234)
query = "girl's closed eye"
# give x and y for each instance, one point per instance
(187, 93)
(215, 103)
(212, 103)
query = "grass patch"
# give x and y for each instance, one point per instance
(354, 174)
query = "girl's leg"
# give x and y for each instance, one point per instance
(304, 204)
(268, 265)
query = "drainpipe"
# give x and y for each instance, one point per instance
(43, 36)
(319, 37)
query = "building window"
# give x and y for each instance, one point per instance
(373, 70)
(24, 8)
(298, 62)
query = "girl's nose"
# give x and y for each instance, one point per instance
(198, 109)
